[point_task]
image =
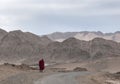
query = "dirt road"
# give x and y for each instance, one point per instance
(62, 78)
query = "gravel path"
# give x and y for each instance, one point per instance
(62, 78)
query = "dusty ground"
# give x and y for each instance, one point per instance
(7, 71)
(100, 78)
(11, 74)
(106, 65)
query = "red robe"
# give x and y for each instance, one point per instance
(41, 64)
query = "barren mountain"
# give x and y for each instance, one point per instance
(73, 50)
(25, 47)
(18, 46)
(69, 50)
(58, 36)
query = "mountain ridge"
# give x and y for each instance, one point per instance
(73, 49)
(84, 35)
(17, 46)
(25, 47)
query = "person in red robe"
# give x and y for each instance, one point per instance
(41, 65)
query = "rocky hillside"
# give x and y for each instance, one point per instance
(58, 36)
(28, 48)
(73, 50)
(2, 33)
(18, 46)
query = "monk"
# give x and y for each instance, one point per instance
(41, 65)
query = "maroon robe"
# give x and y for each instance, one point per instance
(41, 65)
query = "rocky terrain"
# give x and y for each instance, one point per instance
(24, 47)
(17, 46)
(85, 35)
(86, 61)
(100, 78)
(74, 50)
(23, 74)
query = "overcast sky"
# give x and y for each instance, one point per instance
(47, 16)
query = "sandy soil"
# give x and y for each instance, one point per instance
(18, 75)
(8, 71)
(15, 75)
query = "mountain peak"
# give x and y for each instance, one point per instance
(16, 31)
(1, 30)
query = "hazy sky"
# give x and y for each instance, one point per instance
(46, 16)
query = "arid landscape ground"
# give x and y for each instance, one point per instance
(55, 74)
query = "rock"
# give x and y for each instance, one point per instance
(80, 69)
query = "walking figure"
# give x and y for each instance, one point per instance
(41, 65)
